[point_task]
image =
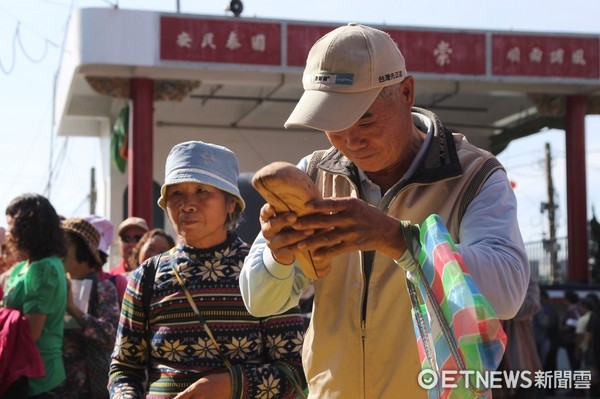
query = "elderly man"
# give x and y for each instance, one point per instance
(389, 162)
(130, 232)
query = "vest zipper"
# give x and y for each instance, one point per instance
(367, 260)
(363, 336)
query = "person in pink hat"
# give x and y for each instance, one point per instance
(105, 228)
(390, 161)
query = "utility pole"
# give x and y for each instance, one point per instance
(93, 192)
(550, 244)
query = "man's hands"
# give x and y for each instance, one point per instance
(211, 386)
(338, 225)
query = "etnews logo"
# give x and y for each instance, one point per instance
(579, 379)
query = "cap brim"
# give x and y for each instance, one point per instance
(162, 201)
(331, 111)
(93, 251)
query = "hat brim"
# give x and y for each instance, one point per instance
(331, 111)
(201, 179)
(126, 226)
(93, 251)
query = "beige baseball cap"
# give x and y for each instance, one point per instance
(345, 71)
(131, 222)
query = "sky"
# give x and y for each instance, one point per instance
(32, 31)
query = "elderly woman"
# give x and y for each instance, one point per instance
(153, 242)
(90, 337)
(183, 321)
(38, 286)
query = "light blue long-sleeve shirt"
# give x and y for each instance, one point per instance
(490, 244)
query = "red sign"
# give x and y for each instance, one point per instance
(431, 52)
(227, 41)
(300, 39)
(441, 52)
(545, 56)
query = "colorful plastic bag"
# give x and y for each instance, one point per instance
(460, 339)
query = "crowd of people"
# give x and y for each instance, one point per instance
(550, 334)
(85, 322)
(52, 274)
(568, 327)
(207, 315)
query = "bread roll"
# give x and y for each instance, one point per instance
(288, 189)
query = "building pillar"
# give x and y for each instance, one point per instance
(576, 109)
(140, 196)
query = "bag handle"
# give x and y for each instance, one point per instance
(201, 319)
(411, 235)
(288, 373)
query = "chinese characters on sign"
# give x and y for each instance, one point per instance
(557, 56)
(239, 42)
(434, 52)
(545, 56)
(442, 53)
(431, 51)
(184, 40)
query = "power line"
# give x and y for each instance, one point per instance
(48, 189)
(17, 40)
(525, 165)
(9, 70)
(114, 5)
(30, 58)
(55, 168)
(83, 201)
(54, 3)
(19, 21)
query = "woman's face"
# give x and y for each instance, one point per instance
(69, 259)
(11, 240)
(10, 222)
(198, 213)
(9, 254)
(8, 257)
(74, 268)
(154, 246)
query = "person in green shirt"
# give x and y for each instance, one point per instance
(38, 287)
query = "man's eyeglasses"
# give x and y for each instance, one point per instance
(127, 239)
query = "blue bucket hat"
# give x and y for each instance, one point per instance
(205, 163)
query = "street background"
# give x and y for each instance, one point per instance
(33, 159)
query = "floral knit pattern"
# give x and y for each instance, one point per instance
(258, 348)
